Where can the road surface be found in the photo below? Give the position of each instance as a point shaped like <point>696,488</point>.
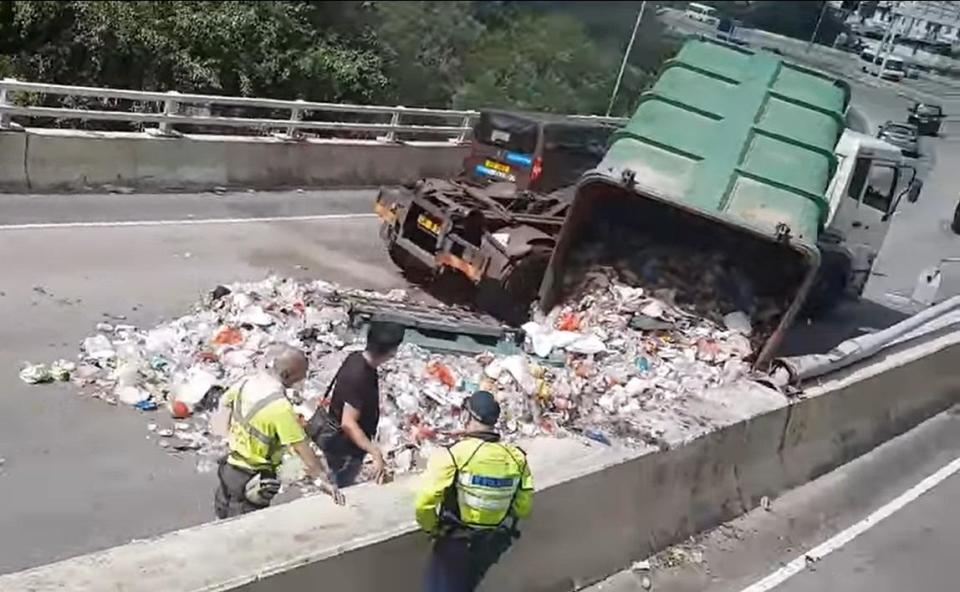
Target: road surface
<point>79,475</point>
<point>882,523</point>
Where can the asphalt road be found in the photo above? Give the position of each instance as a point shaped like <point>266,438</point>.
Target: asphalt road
<point>912,548</point>
<point>79,475</point>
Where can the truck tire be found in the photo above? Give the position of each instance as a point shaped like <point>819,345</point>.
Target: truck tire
<point>955,223</point>
<point>509,299</point>
<point>829,288</point>
<point>410,266</point>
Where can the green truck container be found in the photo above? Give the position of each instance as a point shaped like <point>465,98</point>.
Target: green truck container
<point>731,149</point>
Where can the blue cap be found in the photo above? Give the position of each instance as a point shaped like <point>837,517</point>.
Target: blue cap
<point>484,408</point>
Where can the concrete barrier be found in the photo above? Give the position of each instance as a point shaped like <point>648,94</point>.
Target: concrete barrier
<point>596,508</point>
<point>58,160</point>
<point>13,166</point>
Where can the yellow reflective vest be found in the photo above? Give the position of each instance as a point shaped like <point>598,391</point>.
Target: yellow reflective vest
<point>262,423</point>
<point>480,481</point>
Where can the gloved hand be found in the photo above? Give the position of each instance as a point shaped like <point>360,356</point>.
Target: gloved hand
<point>261,490</point>
<point>327,486</point>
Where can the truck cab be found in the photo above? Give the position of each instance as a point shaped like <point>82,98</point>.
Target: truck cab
<point>870,182</point>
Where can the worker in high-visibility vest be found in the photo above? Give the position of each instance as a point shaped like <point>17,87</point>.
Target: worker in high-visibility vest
<point>473,494</point>
<point>262,424</point>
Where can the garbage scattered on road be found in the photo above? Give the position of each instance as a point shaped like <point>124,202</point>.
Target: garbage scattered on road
<point>36,374</point>
<point>615,366</point>
<point>40,373</point>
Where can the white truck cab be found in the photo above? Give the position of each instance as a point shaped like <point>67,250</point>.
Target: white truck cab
<point>894,70</point>
<point>703,13</point>
<point>870,181</point>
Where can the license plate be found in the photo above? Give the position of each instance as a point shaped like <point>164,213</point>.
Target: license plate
<point>428,224</point>
<point>497,166</point>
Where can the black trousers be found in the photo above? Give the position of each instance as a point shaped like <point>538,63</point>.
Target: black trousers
<point>459,563</point>
<point>230,498</point>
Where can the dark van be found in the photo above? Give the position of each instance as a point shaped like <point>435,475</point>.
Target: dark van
<point>537,152</point>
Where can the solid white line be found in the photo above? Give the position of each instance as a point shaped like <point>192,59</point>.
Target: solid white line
<point>183,222</point>
<point>842,538</point>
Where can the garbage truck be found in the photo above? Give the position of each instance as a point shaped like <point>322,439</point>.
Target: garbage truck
<point>737,152</point>
<point>494,223</point>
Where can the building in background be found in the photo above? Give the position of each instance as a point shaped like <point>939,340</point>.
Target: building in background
<point>926,34</point>
<point>926,21</point>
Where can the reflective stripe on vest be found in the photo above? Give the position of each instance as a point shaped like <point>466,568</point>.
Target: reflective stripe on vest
<point>485,494</point>
<point>243,419</point>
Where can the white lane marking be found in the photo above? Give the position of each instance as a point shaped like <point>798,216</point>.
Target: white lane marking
<point>183,222</point>
<point>842,538</point>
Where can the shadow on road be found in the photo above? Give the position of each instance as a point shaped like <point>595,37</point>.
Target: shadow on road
<point>850,319</point>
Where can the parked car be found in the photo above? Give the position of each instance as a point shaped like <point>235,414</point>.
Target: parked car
<point>703,13</point>
<point>927,117</point>
<point>902,135</point>
<point>894,70</point>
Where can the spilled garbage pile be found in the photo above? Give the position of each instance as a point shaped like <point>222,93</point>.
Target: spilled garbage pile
<point>608,366</point>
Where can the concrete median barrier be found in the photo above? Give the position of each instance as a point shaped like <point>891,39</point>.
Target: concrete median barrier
<point>13,167</point>
<point>66,160</point>
<point>596,510</point>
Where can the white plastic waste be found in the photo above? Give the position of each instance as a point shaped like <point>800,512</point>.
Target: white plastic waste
<point>130,395</point>
<point>194,386</point>
<point>98,347</point>
<point>738,321</point>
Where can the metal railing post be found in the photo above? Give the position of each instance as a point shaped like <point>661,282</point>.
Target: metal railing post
<point>296,115</point>
<point>394,122</point>
<point>4,101</point>
<point>464,123</point>
<point>170,107</point>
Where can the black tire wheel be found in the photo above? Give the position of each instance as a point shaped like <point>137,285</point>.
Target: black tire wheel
<point>955,224</point>
<point>411,267</point>
<point>828,290</point>
<point>509,299</point>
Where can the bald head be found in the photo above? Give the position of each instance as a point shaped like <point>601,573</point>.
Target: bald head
<point>289,364</point>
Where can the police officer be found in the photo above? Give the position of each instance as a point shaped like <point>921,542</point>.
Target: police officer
<point>262,423</point>
<point>473,494</point>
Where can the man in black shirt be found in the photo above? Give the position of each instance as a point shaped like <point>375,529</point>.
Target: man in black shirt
<point>355,405</point>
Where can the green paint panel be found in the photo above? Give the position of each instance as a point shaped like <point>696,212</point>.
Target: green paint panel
<point>738,134</point>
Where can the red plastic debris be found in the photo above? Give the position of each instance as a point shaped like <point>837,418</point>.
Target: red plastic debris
<point>228,336</point>
<point>568,321</point>
<point>179,410</point>
<point>440,371</point>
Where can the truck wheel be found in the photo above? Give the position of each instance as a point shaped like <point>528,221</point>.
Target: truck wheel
<point>411,267</point>
<point>955,224</point>
<point>829,288</point>
<point>509,299</point>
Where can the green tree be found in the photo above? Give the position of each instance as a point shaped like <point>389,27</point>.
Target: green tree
<point>539,62</point>
<point>264,48</point>
<point>424,44</point>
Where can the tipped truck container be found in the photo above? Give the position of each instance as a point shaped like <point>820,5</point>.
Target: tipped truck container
<point>730,150</point>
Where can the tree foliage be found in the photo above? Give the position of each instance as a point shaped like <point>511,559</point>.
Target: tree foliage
<point>540,55</point>
<point>425,44</point>
<point>537,62</point>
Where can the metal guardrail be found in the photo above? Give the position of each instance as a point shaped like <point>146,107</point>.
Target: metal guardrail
<point>455,125</point>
